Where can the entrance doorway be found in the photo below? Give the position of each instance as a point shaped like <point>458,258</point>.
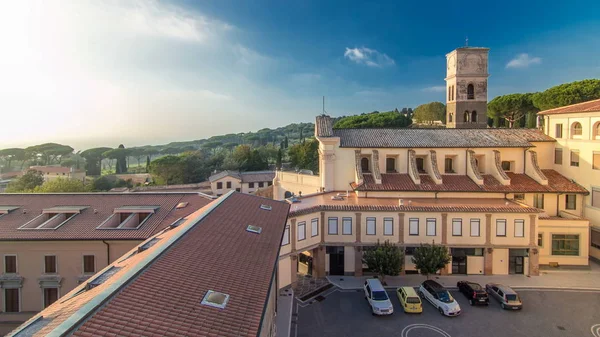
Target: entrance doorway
<point>459,261</point>
<point>305,263</point>
<point>336,260</point>
<point>516,261</point>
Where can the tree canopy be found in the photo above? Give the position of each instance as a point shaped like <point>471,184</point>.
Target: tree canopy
<point>375,119</point>
<point>49,153</point>
<point>430,112</point>
<point>93,158</point>
<point>512,108</point>
<point>305,156</point>
<point>566,94</point>
<point>61,185</point>
<point>26,183</point>
<point>429,258</point>
<point>384,259</point>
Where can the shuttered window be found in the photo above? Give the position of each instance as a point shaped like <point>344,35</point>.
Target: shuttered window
<point>10,264</point>
<point>596,161</point>
<point>575,158</point>
<point>371,226</point>
<point>413,226</point>
<point>558,154</point>
<point>519,228</point>
<point>388,226</point>
<point>89,264</point>
<point>596,197</point>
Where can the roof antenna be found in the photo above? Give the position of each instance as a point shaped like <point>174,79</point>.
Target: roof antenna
<point>467,41</point>
<point>324,112</point>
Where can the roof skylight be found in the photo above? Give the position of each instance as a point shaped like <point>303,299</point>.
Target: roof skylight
<point>181,205</point>
<point>266,207</point>
<point>54,217</point>
<point>254,229</point>
<point>215,299</point>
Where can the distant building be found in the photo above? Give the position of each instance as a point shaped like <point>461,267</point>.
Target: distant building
<point>245,182</point>
<point>54,172</point>
<point>51,243</point>
<point>211,273</point>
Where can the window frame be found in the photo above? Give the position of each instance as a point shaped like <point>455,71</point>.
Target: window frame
<point>520,222</point>
<point>498,222</point>
<point>44,305</point>
<point>574,196</point>
<point>595,160</point>
<point>298,232</point>
<point>228,184</point>
<point>540,239</point>
<point>558,154</point>
<point>428,221</point>
<point>55,265</point>
<point>553,251</point>
<point>250,185</point>
<point>314,227</point>
<point>329,223</point>
<point>5,297</point>
<point>374,220</point>
<point>471,223</point>
<point>387,220</point>
<point>449,165</point>
<point>576,129</point>
<point>346,221</point>
<point>286,236</point>
<point>16,263</point>
<point>261,184</point>
<point>536,200</point>
<point>575,155</point>
<point>410,223</point>
<point>219,185</point>
<point>387,166</point>
<point>456,221</point>
<point>558,130</point>
<point>83,264</point>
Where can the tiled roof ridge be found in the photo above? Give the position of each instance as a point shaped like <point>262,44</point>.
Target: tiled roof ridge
<point>107,193</point>
<point>569,106</point>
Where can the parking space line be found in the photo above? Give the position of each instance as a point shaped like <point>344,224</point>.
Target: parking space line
<point>411,327</point>
<point>595,330</point>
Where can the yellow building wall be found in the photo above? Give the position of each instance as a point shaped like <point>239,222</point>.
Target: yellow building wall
<point>422,237</point>
<point>500,264</point>
<point>548,227</point>
<point>510,239</point>
<point>349,253</point>
<point>235,183</point>
<point>466,239</point>
<point>475,265</point>
<point>285,271</point>
<point>340,237</point>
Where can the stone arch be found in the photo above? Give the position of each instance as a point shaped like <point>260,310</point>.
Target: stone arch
<point>470,91</point>
<point>474,116</point>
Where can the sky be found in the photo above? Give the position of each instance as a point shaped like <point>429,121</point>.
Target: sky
<point>103,73</point>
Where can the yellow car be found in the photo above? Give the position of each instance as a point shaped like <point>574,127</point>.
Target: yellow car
<point>409,300</point>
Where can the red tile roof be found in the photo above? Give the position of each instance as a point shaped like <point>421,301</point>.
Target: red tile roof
<point>589,106</point>
<point>158,292</point>
<point>520,183</point>
<point>101,206</point>
<point>51,169</point>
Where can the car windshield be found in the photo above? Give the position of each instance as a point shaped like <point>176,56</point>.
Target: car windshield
<point>510,297</point>
<point>475,286</point>
<point>413,300</point>
<point>444,296</point>
<point>380,296</point>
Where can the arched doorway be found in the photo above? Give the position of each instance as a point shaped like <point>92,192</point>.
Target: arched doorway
<point>474,116</point>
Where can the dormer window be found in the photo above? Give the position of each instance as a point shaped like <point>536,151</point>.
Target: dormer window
<point>7,209</point>
<point>128,217</point>
<point>54,217</point>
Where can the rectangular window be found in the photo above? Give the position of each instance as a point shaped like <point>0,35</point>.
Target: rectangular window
<point>10,264</point>
<point>538,201</point>
<point>571,201</point>
<point>347,226</point>
<point>559,130</point>
<point>89,264</point>
<point>596,160</point>
<point>475,227</point>
<point>229,184</point>
<point>519,196</point>
<point>431,230</point>
<point>558,154</point>
<point>301,230</point>
<point>50,264</point>
<point>575,158</point>
<point>390,165</point>
<point>314,227</point>
<point>506,166</point>
<point>269,183</point>
<point>456,227</point>
<point>11,300</point>
<point>50,296</point>
<point>371,226</point>
<point>261,184</point>
<point>388,226</point>
<point>519,228</point>
<point>219,185</point>
<point>332,226</point>
<point>413,226</point>
<point>448,166</point>
<point>565,244</point>
<point>540,239</point>
<point>286,236</point>
<point>501,227</point>
<point>250,185</point>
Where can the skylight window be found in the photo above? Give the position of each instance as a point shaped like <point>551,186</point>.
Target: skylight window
<point>54,217</point>
<point>266,207</point>
<point>102,277</point>
<point>7,209</point>
<point>181,205</point>
<point>254,229</point>
<point>128,217</point>
<point>215,299</point>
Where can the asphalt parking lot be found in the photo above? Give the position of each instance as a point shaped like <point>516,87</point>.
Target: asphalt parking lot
<point>544,313</point>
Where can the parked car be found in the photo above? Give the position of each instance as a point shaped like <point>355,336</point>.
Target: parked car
<point>378,298</point>
<point>474,292</point>
<point>507,297</point>
<point>409,300</point>
<point>439,297</point>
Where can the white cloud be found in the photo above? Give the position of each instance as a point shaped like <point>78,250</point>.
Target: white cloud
<point>369,57</point>
<point>435,88</point>
<point>523,61</point>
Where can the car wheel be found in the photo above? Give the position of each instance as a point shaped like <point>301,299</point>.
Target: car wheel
<point>470,302</point>
<point>441,311</point>
<point>502,306</point>
<point>420,293</point>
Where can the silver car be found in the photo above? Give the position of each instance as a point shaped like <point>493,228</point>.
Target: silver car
<point>378,298</point>
<point>508,298</point>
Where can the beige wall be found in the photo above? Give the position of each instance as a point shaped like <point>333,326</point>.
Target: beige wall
<point>349,253</point>
<point>500,264</point>
<point>285,271</point>
<point>295,183</point>
<point>69,256</point>
<point>510,239</point>
<point>475,265</point>
<point>548,227</point>
<point>235,183</point>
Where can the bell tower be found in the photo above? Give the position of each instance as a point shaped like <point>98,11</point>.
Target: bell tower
<point>466,87</point>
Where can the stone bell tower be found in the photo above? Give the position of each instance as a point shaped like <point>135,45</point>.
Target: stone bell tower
<point>466,87</point>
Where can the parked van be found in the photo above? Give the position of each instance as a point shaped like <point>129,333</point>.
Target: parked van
<point>409,300</point>
<point>377,297</point>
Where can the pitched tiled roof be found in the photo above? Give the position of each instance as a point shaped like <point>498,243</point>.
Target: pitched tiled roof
<point>324,126</point>
<point>519,183</point>
<point>224,174</point>
<point>159,292</point>
<point>51,169</point>
<point>257,176</point>
<point>439,138</point>
<point>589,106</point>
<point>99,207</point>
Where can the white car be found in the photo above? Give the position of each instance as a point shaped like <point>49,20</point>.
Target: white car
<point>439,297</point>
<point>378,298</point>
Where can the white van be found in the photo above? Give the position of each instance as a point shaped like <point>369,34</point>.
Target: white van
<point>377,297</point>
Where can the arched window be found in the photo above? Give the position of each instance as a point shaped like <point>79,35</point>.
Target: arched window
<point>474,117</point>
<point>576,129</point>
<point>466,117</point>
<point>453,91</point>
<point>470,91</point>
<point>450,117</point>
<point>597,130</point>
<point>449,93</point>
<point>364,164</point>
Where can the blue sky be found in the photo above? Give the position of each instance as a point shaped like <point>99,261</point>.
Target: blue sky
<point>101,73</point>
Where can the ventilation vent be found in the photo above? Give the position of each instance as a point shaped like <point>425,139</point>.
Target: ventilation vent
<point>254,229</point>
<point>266,207</point>
<point>148,244</point>
<point>181,205</point>
<point>177,223</point>
<point>215,299</point>
<point>102,278</point>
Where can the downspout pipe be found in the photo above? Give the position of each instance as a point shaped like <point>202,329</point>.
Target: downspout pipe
<point>107,252</point>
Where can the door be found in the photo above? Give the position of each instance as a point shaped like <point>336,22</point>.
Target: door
<point>459,265</point>
<point>336,260</point>
<point>516,265</point>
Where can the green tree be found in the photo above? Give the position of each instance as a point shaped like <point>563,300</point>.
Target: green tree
<point>430,112</point>
<point>26,183</point>
<point>61,185</point>
<point>8,155</point>
<point>148,163</point>
<point>278,163</point>
<point>429,258</point>
<point>384,259</point>
<point>93,159</point>
<point>167,170</point>
<point>212,146</point>
<point>512,108</point>
<point>119,154</point>
<point>50,153</point>
<point>305,156</point>
<point>568,93</point>
<point>103,184</point>
<point>374,119</point>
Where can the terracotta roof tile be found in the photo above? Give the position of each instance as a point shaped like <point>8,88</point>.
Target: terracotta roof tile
<point>589,106</point>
